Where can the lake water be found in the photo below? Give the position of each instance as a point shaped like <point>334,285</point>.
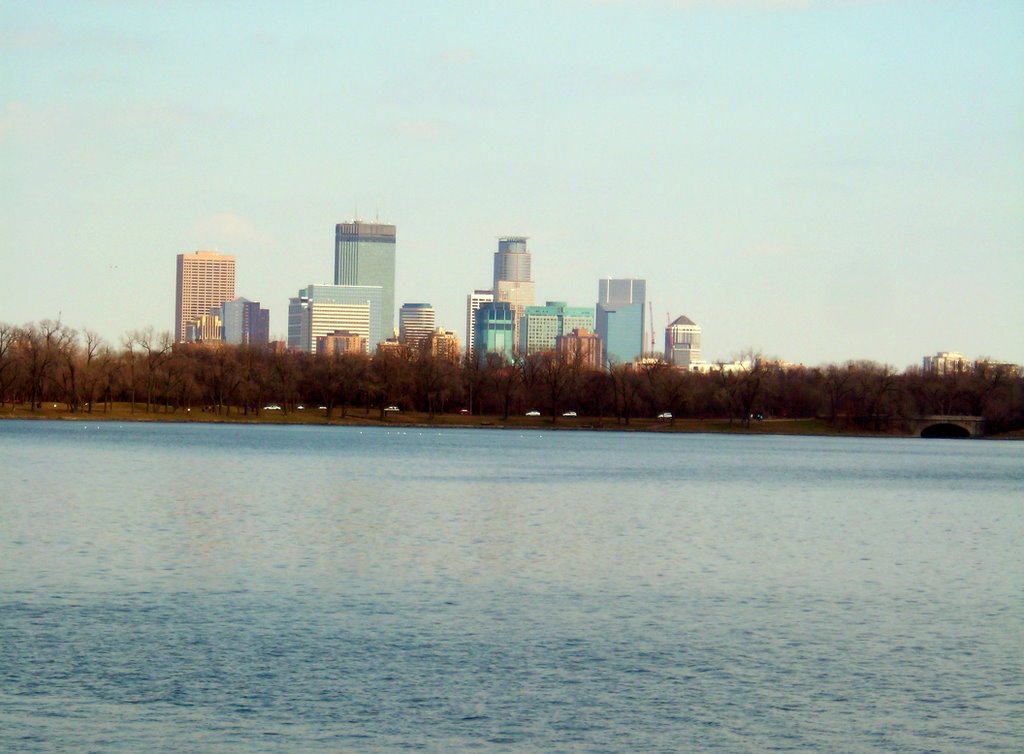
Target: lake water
<point>258,588</point>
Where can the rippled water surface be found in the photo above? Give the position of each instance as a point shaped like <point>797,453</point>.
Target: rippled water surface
<point>256,588</point>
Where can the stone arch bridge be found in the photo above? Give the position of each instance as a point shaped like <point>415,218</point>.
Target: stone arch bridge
<point>947,426</point>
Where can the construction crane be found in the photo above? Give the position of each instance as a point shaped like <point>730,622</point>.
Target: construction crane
<point>650,311</point>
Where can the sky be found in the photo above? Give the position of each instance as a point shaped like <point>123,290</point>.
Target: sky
<point>814,180</point>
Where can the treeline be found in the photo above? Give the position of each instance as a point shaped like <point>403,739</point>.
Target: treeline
<point>50,362</point>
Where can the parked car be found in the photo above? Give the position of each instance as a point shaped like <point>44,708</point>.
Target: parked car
<point>665,415</point>
<point>569,414</point>
<point>272,407</point>
<point>392,408</point>
<point>533,413</point>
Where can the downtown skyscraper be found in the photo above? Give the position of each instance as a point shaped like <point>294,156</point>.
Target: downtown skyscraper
<point>512,282</point>
<point>204,281</point>
<point>364,255</point>
<point>620,319</point>
<point>415,324</point>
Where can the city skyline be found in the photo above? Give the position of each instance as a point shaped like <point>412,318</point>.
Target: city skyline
<point>819,181</point>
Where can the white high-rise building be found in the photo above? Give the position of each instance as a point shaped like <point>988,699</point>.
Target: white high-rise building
<point>682,343</point>
<point>323,309</point>
<point>415,324</point>
<point>473,302</point>
<point>946,362</point>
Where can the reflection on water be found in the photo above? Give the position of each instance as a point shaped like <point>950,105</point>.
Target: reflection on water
<point>219,588</point>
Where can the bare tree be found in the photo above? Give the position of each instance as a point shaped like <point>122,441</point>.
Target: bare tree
<point>501,378</point>
<point>554,377</point>
<point>876,394</point>
<point>436,380</point>
<point>9,365</point>
<point>390,377</point>
<point>668,389</point>
<point>742,385</point>
<point>68,370</point>
<point>284,379</point>
<point>155,350</point>
<point>41,344</point>
<point>837,387</point>
<point>627,388</point>
<point>217,374</point>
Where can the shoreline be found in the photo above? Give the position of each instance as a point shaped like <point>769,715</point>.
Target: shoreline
<point>808,427</point>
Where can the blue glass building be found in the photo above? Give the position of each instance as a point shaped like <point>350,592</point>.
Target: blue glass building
<point>620,319</point>
<point>495,329</point>
<point>245,322</point>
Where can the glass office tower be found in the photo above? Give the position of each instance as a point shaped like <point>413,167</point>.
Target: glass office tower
<point>540,326</point>
<point>245,322</point>
<point>620,319</point>
<point>495,329</point>
<point>364,254</point>
<point>512,281</point>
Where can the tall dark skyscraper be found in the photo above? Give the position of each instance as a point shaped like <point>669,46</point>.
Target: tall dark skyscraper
<point>364,254</point>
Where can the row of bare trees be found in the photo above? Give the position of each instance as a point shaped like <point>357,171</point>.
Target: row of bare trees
<point>50,362</point>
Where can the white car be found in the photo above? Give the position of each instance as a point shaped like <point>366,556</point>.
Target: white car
<point>392,408</point>
<point>570,414</point>
<point>272,407</point>
<point>665,415</point>
<point>533,413</point>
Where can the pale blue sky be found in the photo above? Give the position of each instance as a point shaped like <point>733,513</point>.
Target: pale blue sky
<point>818,180</point>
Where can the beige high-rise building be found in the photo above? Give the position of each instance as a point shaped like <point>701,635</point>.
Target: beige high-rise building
<point>339,342</point>
<point>581,346</point>
<point>206,328</point>
<point>444,344</point>
<point>205,280</point>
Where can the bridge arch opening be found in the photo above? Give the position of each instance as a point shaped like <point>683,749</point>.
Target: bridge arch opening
<point>945,430</point>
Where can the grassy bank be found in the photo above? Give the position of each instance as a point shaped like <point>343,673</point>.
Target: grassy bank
<point>123,412</point>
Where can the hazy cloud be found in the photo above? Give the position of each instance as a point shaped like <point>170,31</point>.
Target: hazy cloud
<point>425,129</point>
<point>20,121</point>
<point>228,229</point>
<point>31,39</point>
<point>458,56</point>
<point>23,122</point>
